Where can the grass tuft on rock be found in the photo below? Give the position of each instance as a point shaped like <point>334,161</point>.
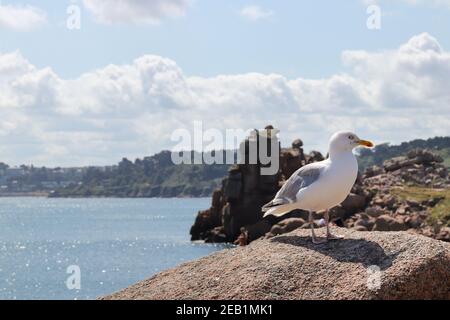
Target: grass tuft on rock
<point>440,213</point>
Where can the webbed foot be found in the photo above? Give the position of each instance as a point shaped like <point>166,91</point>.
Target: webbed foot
<point>331,236</point>
<point>318,241</point>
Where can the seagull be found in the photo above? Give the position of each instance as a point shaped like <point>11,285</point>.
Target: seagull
<point>320,185</point>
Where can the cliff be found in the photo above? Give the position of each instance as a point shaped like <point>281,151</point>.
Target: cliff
<point>364,265</point>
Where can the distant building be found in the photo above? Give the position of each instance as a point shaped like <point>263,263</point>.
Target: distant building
<point>14,172</point>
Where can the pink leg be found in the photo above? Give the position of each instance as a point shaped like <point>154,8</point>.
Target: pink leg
<point>313,235</point>
<point>330,236</point>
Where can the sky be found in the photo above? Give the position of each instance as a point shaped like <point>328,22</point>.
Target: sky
<point>88,82</point>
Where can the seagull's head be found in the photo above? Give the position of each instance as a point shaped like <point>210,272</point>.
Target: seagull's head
<point>343,141</point>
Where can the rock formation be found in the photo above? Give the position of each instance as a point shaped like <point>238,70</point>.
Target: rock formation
<point>236,208</point>
<point>364,265</point>
<point>380,199</point>
<point>389,202</point>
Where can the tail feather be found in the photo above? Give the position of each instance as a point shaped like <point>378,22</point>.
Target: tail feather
<point>274,203</point>
<point>278,210</point>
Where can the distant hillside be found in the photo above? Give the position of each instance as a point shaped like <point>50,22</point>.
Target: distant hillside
<point>28,180</point>
<point>382,152</point>
<point>157,176</point>
<point>154,176</point>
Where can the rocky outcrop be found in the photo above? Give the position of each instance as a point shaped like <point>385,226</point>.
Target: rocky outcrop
<point>235,214</point>
<point>285,226</point>
<point>419,167</point>
<point>374,204</point>
<point>364,265</point>
<point>389,207</point>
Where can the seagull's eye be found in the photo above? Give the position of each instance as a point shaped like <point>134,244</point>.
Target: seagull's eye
<point>351,137</point>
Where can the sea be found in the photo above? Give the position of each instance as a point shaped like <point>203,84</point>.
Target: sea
<point>87,248</point>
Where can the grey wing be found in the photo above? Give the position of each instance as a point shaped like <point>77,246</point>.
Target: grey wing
<point>300,179</point>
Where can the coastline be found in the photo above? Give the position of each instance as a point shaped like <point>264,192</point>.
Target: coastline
<point>48,195</point>
<point>25,195</point>
<point>119,197</point>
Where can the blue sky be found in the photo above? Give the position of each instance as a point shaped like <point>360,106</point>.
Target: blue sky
<point>302,38</point>
<point>129,77</point>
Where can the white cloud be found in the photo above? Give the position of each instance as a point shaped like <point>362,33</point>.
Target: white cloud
<point>131,110</point>
<point>21,18</point>
<point>135,11</point>
<point>255,13</point>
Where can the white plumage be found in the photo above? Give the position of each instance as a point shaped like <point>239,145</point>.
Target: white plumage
<point>321,185</point>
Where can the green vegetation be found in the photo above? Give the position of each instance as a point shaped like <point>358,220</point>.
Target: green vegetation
<point>382,152</point>
<point>439,214</point>
<point>445,154</point>
<point>155,176</point>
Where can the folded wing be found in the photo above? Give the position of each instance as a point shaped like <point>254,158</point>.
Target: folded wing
<point>300,179</point>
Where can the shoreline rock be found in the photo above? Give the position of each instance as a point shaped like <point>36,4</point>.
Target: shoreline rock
<point>289,266</point>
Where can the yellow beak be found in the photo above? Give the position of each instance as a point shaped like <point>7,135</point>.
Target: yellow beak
<point>365,143</point>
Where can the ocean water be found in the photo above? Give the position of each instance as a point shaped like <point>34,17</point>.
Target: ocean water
<point>97,245</point>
